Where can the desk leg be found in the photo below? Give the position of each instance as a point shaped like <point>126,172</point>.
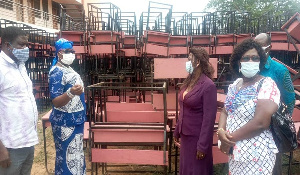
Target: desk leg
<point>45,149</point>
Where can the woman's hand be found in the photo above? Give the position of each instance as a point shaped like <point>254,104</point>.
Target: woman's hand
<point>226,143</point>
<point>200,155</point>
<point>76,89</point>
<point>225,138</point>
<point>225,148</point>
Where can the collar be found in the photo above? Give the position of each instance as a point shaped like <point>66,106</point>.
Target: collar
<point>268,63</point>
<point>7,58</point>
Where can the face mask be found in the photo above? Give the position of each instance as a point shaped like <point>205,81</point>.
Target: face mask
<point>68,58</point>
<point>249,69</point>
<point>21,54</point>
<point>189,67</point>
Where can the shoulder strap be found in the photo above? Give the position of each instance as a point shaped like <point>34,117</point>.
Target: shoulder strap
<point>260,84</point>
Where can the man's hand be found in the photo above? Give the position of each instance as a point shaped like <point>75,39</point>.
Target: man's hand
<point>4,158</point>
<point>76,89</point>
<point>200,155</point>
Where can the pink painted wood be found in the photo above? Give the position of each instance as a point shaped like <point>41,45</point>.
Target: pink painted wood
<point>221,99</point>
<point>218,156</point>
<point>223,50</point>
<point>75,36</point>
<point>158,103</point>
<point>135,116</point>
<point>103,48</point>
<point>128,156</point>
<point>293,26</point>
<point>79,49</point>
<point>127,135</point>
<point>112,99</point>
<point>292,48</point>
<point>129,107</point>
<point>156,37</point>
<point>86,131</point>
<point>280,46</point>
<point>296,115</point>
<point>215,137</point>
<point>129,40</point>
<point>278,36</point>
<point>178,40</point>
<point>218,116</point>
<point>225,39</point>
<point>105,36</point>
<point>297,127</point>
<point>130,52</point>
<point>242,37</point>
<point>178,50</point>
<point>170,68</point>
<point>155,49</point>
<point>214,63</point>
<point>202,40</point>
<point>164,67</point>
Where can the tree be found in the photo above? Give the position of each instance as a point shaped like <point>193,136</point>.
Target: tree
<point>257,8</point>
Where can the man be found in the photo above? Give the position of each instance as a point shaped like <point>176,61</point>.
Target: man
<point>281,75</point>
<point>18,110</point>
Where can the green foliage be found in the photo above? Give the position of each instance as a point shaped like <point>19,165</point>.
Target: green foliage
<point>257,8</point>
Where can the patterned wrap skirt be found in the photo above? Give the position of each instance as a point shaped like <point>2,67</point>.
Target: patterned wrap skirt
<point>69,150</point>
<point>258,167</point>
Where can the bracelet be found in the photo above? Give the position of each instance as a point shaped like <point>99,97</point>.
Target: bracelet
<point>69,94</point>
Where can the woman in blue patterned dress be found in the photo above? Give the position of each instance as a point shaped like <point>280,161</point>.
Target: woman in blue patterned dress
<point>68,112</point>
<point>244,122</point>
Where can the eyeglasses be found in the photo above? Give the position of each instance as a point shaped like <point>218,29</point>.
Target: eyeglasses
<point>254,58</point>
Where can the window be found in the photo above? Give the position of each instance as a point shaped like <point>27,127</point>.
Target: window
<point>37,12</point>
<point>45,9</point>
<point>7,4</point>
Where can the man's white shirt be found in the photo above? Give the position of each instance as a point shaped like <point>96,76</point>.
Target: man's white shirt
<point>18,110</point>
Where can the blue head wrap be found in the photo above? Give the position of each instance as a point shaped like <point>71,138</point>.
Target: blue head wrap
<point>61,44</point>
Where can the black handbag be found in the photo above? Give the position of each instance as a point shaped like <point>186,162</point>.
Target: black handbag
<point>282,128</point>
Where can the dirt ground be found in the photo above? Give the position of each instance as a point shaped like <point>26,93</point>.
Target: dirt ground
<point>40,169</point>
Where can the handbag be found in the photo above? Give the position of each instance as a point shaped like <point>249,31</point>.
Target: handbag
<point>282,128</point>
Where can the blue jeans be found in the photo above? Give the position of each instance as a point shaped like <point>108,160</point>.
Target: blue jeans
<point>21,161</point>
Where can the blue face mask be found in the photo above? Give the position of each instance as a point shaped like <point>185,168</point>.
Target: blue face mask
<point>189,67</point>
<point>21,54</point>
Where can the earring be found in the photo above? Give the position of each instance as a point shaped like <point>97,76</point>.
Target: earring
<point>239,70</point>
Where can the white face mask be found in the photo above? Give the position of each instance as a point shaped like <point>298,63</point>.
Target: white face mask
<point>21,54</point>
<point>249,69</point>
<point>189,67</point>
<point>68,58</point>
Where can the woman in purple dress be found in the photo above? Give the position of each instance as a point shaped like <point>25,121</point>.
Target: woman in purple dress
<point>198,107</point>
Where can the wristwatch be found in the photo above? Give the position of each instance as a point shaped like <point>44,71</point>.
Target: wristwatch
<point>69,94</point>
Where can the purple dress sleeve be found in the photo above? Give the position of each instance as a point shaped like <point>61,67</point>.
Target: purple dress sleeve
<point>209,115</point>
